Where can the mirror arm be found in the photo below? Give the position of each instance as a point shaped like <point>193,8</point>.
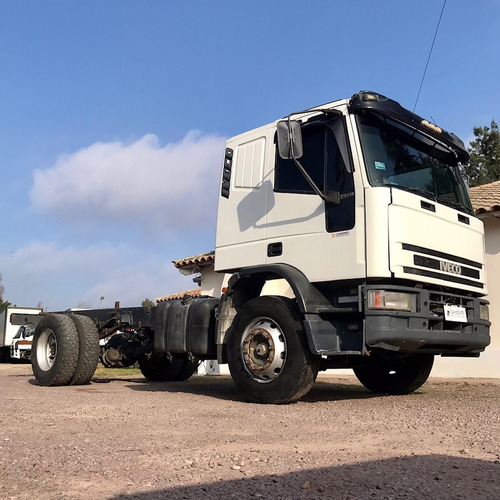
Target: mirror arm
<point>332,198</point>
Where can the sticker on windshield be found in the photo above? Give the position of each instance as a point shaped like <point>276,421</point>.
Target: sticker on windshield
<point>379,165</point>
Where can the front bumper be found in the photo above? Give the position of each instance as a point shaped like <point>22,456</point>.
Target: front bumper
<point>425,329</point>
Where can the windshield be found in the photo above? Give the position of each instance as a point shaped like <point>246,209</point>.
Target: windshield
<point>399,156</point>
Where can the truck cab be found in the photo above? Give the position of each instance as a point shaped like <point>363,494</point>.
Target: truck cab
<point>361,206</point>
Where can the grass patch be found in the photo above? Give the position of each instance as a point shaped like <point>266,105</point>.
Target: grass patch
<point>116,372</point>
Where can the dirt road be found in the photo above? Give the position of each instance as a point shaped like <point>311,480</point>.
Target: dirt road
<point>126,438</point>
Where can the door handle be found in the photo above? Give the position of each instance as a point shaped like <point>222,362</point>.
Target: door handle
<point>274,249</point>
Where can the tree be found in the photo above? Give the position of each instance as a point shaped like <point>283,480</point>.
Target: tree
<point>3,304</point>
<point>147,303</point>
<point>484,164</point>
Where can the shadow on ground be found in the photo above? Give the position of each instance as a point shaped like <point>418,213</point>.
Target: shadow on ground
<point>413,477</point>
<point>222,387</point>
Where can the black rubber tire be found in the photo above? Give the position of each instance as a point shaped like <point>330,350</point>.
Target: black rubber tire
<point>382,377</point>
<point>160,368</point>
<point>4,354</point>
<point>189,367</point>
<point>55,350</point>
<point>89,349</point>
<point>300,367</point>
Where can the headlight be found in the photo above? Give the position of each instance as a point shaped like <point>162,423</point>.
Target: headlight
<point>395,301</point>
<point>484,312</point>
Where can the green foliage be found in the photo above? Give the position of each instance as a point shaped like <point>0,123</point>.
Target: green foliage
<point>147,303</point>
<point>3,304</point>
<point>484,164</point>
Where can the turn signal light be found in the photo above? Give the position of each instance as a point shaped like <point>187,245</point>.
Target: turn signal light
<point>484,312</point>
<point>394,301</point>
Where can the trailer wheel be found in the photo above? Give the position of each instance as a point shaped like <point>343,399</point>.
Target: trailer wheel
<point>54,354</point>
<point>89,349</point>
<point>268,356</point>
<point>407,376</point>
<point>160,368</point>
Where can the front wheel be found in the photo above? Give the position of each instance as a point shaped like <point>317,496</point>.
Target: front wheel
<point>267,353</point>
<point>384,377</point>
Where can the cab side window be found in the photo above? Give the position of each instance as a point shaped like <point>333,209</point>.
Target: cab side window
<point>323,161</point>
<point>288,177</point>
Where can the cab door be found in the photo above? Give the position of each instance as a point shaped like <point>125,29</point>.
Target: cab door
<point>304,231</point>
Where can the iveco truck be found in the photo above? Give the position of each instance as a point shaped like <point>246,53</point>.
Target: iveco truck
<point>361,207</point>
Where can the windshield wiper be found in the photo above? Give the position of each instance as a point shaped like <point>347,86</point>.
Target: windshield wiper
<point>419,191</point>
<point>456,205</point>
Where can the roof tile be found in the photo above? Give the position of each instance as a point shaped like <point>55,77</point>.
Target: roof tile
<point>197,260</point>
<point>196,292</point>
<point>485,198</point>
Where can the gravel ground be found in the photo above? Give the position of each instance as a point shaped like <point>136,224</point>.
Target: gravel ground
<point>125,438</point>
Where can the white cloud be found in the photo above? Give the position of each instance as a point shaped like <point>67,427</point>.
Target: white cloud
<point>130,285</point>
<point>123,200</point>
<point>136,181</point>
<point>61,278</point>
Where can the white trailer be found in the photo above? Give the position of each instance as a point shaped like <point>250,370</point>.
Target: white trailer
<point>8,330</point>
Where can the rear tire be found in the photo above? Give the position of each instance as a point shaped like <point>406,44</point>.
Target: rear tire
<point>160,368</point>
<point>189,367</point>
<point>4,354</point>
<point>89,349</point>
<point>267,352</point>
<point>55,350</point>
<point>407,376</point>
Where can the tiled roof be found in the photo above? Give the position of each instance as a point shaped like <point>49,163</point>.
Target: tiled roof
<point>196,292</point>
<point>201,260</point>
<point>486,198</point>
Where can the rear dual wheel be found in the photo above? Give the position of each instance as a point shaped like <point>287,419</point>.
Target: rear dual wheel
<point>178,367</point>
<point>65,350</point>
<point>89,349</point>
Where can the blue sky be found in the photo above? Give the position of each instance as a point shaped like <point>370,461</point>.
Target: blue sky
<point>114,114</point>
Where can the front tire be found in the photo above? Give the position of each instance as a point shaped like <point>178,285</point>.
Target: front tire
<point>55,350</point>
<point>267,353</point>
<point>383,377</point>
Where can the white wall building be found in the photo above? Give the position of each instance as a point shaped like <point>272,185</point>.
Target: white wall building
<point>486,202</point>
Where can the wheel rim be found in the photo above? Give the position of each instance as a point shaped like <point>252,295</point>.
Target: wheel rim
<point>263,349</point>
<point>46,350</point>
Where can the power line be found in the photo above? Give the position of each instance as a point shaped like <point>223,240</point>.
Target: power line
<point>429,57</point>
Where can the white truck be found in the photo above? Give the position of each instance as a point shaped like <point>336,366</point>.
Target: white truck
<point>22,342</point>
<point>8,330</point>
<point>360,206</point>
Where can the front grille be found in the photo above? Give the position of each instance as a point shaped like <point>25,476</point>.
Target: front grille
<point>443,266</point>
<point>442,255</point>
<point>435,306</point>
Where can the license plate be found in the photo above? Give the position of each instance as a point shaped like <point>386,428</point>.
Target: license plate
<point>455,313</point>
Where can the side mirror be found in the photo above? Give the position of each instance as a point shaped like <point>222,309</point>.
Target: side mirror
<point>289,139</point>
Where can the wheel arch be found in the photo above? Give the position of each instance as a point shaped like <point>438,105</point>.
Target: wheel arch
<point>247,284</point>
